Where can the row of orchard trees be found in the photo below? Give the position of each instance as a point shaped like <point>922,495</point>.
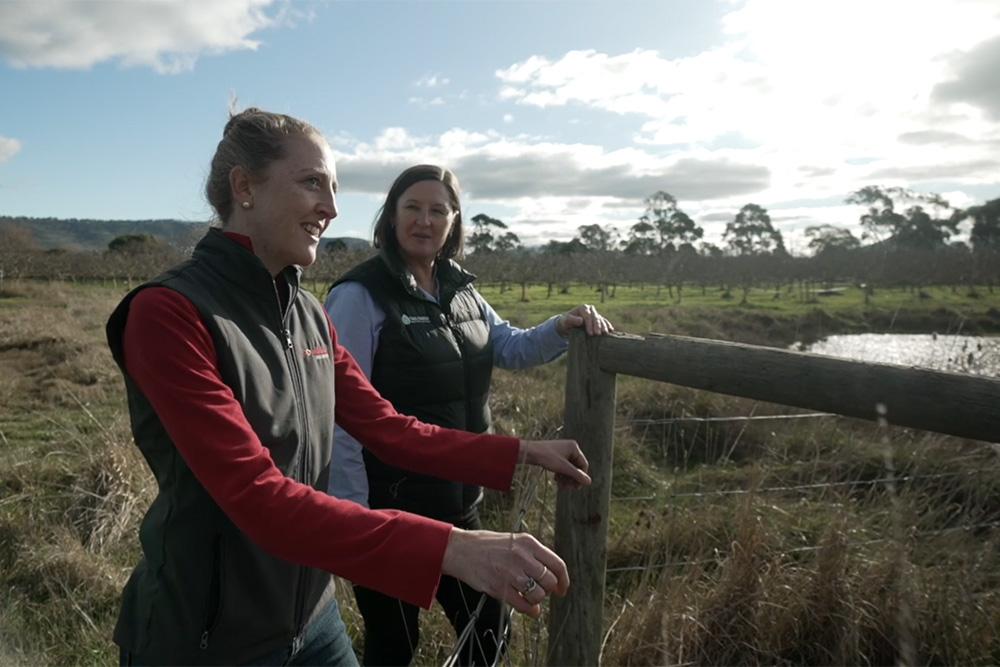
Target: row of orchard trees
<point>907,237</point>
<point>735,276</point>
<point>906,240</point>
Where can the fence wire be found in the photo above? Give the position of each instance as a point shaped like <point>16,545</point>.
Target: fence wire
<point>528,498</point>
<point>706,561</point>
<point>467,638</point>
<point>703,420</point>
<point>896,479</point>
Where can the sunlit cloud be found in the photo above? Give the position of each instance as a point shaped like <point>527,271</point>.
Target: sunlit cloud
<point>8,148</point>
<point>547,181</point>
<point>432,81</point>
<point>166,35</point>
<point>825,94</point>
<point>426,102</point>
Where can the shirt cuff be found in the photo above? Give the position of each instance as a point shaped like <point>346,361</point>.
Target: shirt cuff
<point>549,335</point>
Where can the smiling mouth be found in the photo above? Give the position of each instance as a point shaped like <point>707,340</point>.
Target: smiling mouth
<point>313,229</point>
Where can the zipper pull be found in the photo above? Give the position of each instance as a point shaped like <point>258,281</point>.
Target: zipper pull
<point>288,338</point>
<point>204,640</point>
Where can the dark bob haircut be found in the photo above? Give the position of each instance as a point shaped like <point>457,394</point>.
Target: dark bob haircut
<point>385,222</point>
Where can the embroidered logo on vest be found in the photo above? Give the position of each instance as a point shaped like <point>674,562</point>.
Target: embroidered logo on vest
<point>317,352</point>
<point>407,320</point>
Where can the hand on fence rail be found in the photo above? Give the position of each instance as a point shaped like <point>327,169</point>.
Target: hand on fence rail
<point>586,317</point>
<point>563,457</point>
<point>504,565</point>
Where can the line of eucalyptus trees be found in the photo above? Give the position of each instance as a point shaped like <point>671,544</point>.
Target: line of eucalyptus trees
<point>906,241</point>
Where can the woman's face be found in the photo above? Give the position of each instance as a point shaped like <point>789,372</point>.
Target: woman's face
<point>423,220</point>
<point>293,203</point>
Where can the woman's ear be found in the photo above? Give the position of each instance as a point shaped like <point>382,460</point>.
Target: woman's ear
<point>241,186</point>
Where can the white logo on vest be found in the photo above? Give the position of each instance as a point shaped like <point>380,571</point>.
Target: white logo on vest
<point>407,320</point>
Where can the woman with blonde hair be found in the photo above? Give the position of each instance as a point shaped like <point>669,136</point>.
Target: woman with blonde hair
<point>234,376</point>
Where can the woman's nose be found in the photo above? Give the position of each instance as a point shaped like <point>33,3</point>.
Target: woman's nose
<point>328,207</point>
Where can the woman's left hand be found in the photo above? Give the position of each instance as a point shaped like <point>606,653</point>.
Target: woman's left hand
<point>585,316</point>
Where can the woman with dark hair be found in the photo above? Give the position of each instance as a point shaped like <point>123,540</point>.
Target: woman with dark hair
<point>231,373</point>
<point>428,340</point>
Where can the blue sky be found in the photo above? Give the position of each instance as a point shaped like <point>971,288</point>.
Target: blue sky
<point>554,114</point>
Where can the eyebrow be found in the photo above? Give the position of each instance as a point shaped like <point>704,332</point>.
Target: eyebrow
<point>412,200</point>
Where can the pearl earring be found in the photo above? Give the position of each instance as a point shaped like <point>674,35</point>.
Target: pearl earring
<point>246,204</point>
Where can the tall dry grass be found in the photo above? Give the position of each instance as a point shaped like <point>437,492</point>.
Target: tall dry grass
<point>73,487</point>
<point>799,542</point>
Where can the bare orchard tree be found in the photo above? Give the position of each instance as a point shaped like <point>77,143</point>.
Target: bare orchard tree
<point>18,252</point>
<point>139,256</point>
<point>332,261</point>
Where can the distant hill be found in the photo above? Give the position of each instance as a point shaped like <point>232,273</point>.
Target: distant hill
<point>73,234</point>
<point>351,242</point>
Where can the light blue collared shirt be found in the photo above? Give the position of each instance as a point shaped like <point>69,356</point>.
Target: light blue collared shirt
<point>358,320</point>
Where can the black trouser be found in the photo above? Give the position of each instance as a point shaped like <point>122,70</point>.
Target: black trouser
<point>392,627</point>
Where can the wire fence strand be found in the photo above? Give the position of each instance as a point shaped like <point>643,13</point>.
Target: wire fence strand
<point>528,498</point>
<point>685,563</point>
<point>804,487</point>
<point>705,420</point>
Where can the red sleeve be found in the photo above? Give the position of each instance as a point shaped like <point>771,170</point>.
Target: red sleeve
<point>171,357</point>
<point>408,443</point>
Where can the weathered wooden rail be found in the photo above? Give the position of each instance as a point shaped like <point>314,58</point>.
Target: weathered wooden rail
<point>950,403</point>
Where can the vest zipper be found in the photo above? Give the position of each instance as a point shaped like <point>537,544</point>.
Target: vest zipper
<point>299,392</point>
<point>456,331</point>
<point>213,611</point>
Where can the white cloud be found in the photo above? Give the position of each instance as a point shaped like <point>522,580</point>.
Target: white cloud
<point>432,81</point>
<point>551,187</point>
<point>812,90</point>
<point>494,166</point>
<point>395,139</point>
<point>426,102</point>
<point>508,118</point>
<point>166,35</point>
<point>8,148</point>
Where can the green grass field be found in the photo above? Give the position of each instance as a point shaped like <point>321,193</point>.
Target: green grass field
<point>812,541</point>
<point>765,319</point>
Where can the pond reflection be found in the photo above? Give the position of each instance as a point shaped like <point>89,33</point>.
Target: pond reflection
<point>977,355</point>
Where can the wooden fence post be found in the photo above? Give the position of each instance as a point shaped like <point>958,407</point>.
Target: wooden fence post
<point>581,532</point>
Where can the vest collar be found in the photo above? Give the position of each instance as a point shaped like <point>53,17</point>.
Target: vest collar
<point>237,264</point>
<point>450,276</point>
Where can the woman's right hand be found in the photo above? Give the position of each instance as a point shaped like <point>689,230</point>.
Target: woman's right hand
<point>563,457</point>
<point>504,565</point>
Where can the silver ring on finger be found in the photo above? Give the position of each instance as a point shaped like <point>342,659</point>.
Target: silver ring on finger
<point>545,570</point>
<point>530,586</point>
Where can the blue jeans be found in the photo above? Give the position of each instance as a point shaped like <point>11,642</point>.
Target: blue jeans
<point>324,642</point>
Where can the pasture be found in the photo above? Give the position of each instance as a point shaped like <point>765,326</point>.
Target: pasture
<point>763,541</point>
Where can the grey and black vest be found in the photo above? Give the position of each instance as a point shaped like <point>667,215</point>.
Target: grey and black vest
<point>203,593</point>
<point>434,361</point>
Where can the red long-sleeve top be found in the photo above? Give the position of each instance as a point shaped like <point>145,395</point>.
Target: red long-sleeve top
<point>170,356</point>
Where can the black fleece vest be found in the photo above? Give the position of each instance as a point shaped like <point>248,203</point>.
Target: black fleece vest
<point>434,362</point>
<point>203,593</point>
